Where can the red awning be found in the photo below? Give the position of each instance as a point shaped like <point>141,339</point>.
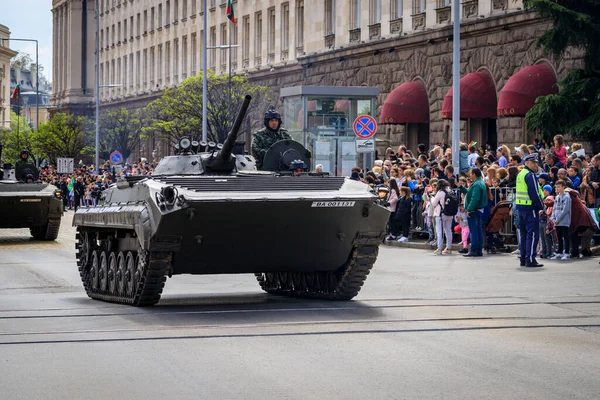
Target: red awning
<point>408,103</point>
<point>523,88</point>
<point>477,97</point>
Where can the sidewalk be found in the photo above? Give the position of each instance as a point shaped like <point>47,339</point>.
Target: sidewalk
<point>421,244</point>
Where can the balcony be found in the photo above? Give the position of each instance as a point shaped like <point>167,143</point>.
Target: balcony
<point>418,21</point>
<point>470,9</point>
<point>330,40</point>
<point>396,26</point>
<point>375,31</point>
<point>499,5</point>
<point>354,35</point>
<point>442,15</point>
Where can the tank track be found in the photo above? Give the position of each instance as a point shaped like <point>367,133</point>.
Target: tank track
<point>341,284</point>
<point>134,278</point>
<point>48,231</point>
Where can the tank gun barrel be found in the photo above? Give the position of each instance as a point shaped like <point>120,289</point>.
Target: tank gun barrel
<point>227,149</point>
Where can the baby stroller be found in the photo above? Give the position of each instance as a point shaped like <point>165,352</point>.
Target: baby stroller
<point>498,217</point>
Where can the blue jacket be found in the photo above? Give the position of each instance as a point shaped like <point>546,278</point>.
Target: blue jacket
<point>534,194</point>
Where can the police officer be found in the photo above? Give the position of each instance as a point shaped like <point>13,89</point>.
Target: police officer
<point>529,203</point>
<point>263,139</point>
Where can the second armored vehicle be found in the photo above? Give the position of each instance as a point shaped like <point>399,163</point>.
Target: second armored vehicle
<point>212,212</point>
<point>27,203</point>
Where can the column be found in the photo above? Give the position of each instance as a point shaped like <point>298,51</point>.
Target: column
<point>74,51</point>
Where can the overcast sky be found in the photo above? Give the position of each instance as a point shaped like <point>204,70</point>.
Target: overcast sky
<point>30,19</point>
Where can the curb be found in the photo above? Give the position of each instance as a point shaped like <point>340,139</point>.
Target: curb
<point>424,246</point>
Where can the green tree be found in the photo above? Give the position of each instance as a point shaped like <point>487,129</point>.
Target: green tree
<point>576,108</point>
<point>178,112</point>
<point>20,136</point>
<point>120,130</point>
<point>66,135</point>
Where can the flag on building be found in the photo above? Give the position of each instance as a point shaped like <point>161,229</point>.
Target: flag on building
<point>230,12</point>
<point>15,93</point>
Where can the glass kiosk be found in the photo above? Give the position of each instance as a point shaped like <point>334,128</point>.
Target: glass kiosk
<point>321,117</point>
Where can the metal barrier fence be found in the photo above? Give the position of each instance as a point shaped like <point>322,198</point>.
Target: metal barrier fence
<point>420,226</point>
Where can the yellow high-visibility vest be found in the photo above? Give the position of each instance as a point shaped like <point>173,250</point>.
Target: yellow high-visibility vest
<point>522,193</point>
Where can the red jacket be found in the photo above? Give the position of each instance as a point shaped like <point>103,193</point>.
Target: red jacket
<point>580,216</point>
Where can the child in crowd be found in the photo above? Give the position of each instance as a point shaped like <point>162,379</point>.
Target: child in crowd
<point>573,173</point>
<point>561,217</point>
<point>428,210</point>
<point>461,218</point>
<point>403,207</point>
<point>546,239</point>
<point>560,150</point>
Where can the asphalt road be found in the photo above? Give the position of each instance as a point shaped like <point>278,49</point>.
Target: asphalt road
<point>423,327</point>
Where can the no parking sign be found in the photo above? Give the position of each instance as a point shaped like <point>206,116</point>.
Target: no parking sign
<point>116,157</point>
<point>364,126</point>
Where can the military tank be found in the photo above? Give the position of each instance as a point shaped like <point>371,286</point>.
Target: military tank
<point>209,211</point>
<point>25,202</point>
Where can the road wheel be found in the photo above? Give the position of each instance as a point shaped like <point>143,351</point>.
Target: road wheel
<point>95,271</point>
<point>121,282</point>
<point>130,286</point>
<point>112,273</point>
<point>103,273</point>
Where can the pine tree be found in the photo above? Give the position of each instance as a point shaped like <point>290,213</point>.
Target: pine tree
<point>576,108</point>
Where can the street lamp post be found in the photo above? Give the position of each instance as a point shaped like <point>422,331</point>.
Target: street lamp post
<point>37,89</point>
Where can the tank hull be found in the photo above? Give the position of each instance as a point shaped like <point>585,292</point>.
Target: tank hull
<point>266,236</point>
<point>28,205</point>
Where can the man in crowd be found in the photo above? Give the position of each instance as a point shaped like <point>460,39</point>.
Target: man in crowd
<point>475,202</point>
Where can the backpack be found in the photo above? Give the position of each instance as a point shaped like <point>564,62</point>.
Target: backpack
<point>450,207</point>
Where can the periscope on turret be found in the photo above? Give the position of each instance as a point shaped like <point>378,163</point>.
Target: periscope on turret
<point>178,221</point>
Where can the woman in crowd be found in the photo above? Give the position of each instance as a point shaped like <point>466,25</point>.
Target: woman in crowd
<point>443,223</point>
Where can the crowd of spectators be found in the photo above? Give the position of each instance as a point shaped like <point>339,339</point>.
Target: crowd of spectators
<point>83,186</point>
<point>418,183</point>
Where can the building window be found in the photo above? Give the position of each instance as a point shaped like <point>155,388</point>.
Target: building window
<point>396,9</point>
<point>329,17</point>
<point>184,57</point>
<point>234,41</point>
<point>223,53</point>
<point>138,24</point>
<point>285,30</point>
<point>245,40</point>
<point>176,61</point>
<point>131,30</point>
<point>354,14</point>
<point>258,37</point>
<point>184,9</point>
<point>130,79</point>
<point>119,32</point>
<point>194,53</point>
<point>137,69</point>
<point>145,21</point>
<point>200,55</point>
<point>168,19</point>
<point>102,78</point>
<point>159,65</point>
<point>300,24</point>
<point>124,83</point>
<point>152,60</point>
<point>374,12</point>
<point>175,10</point>
<point>160,20</point>
<point>145,70</point>
<point>125,29</point>
<point>101,38</point>
<point>213,52</point>
<point>152,16</point>
<point>113,35</point>
<point>271,33</point>
<point>168,61</point>
<point>194,6</point>
<point>418,6</point>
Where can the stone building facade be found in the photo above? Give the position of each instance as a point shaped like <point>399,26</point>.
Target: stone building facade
<point>148,45</point>
<point>5,55</point>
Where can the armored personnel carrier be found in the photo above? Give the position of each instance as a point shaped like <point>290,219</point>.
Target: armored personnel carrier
<point>27,203</point>
<point>211,212</point>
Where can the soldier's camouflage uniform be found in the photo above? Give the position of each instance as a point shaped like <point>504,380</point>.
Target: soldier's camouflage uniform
<point>263,139</point>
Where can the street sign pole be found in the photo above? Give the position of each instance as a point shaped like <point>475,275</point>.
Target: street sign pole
<point>456,89</point>
<point>365,127</point>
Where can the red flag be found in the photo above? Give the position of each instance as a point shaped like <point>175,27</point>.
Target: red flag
<point>15,93</point>
<point>230,12</point>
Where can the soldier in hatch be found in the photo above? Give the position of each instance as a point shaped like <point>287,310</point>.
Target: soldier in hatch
<point>263,139</point>
<point>23,158</point>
